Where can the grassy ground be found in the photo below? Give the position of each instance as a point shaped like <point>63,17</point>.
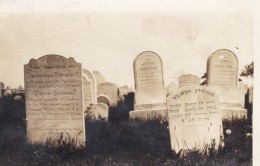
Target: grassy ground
<point>117,142</point>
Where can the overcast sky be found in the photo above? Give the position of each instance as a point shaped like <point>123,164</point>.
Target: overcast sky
<point>110,41</point>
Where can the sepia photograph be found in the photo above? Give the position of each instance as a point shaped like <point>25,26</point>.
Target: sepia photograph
<point>125,84</point>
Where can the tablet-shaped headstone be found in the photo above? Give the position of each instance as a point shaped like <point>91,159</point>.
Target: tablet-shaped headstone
<point>54,104</point>
<point>188,80</point>
<point>222,69</point>
<point>149,84</point>
<point>194,119</point>
<point>89,88</point>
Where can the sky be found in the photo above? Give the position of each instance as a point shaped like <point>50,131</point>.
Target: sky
<point>110,41</point>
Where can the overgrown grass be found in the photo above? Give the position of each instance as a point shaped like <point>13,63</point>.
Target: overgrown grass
<point>116,142</point>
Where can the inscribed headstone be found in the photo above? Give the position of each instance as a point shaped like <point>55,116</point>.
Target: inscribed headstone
<point>89,88</point>
<point>222,74</point>
<point>188,80</point>
<point>110,90</point>
<point>195,120</point>
<point>222,69</point>
<point>149,85</point>
<point>54,104</point>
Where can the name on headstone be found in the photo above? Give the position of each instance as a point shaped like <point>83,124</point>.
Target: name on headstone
<point>54,105</point>
<point>195,120</point>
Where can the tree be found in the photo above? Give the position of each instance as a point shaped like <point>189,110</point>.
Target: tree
<point>248,71</point>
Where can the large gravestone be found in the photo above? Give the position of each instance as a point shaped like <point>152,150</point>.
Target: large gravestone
<point>89,88</point>
<point>150,93</point>
<point>54,104</point>
<point>98,77</point>
<point>222,74</point>
<point>188,80</point>
<point>110,90</point>
<point>195,120</point>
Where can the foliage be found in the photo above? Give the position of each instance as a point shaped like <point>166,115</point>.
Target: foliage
<point>248,71</point>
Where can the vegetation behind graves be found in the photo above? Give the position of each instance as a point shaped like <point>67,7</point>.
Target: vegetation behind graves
<point>114,142</point>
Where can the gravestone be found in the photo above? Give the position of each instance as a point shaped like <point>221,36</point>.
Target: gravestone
<point>110,90</point>
<point>89,88</point>
<point>188,80</point>
<point>100,111</point>
<point>195,120</point>
<point>222,77</point>
<point>103,99</point>
<point>54,104</point>
<point>150,93</point>
<point>98,77</point>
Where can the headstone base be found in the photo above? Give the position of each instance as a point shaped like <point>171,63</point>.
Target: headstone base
<point>160,114</point>
<point>233,113</point>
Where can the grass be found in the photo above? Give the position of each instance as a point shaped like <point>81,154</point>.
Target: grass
<point>119,141</point>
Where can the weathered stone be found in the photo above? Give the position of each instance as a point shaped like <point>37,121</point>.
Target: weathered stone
<point>54,104</point>
<point>222,78</point>
<point>195,121</point>
<point>188,80</point>
<point>89,89</point>
<point>150,93</point>
<point>110,90</point>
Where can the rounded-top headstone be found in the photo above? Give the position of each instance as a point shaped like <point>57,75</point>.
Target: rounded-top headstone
<point>149,84</point>
<point>222,69</point>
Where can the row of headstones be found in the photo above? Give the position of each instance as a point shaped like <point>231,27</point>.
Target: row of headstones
<point>55,102</point>
<point>222,71</point>
<point>194,113</point>
<point>58,94</point>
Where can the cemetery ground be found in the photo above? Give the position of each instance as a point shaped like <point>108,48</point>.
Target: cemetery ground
<point>119,141</point>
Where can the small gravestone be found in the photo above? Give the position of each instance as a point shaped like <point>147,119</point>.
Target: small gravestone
<point>110,90</point>
<point>195,120</point>
<point>103,99</point>
<point>54,104</point>
<point>89,88</point>
<point>150,93</point>
<point>98,77</point>
<point>222,77</point>
<point>99,111</point>
<point>188,80</point>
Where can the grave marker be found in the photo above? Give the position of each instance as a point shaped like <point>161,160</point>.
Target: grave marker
<point>188,80</point>
<point>195,120</point>
<point>54,104</point>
